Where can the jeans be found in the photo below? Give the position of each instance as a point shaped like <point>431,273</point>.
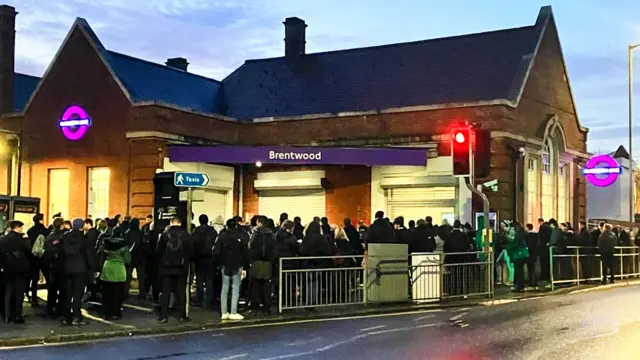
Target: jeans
<point>518,266</point>
<point>235,280</point>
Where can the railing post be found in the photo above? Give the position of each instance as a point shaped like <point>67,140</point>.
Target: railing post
<point>365,278</point>
<point>551,268</point>
<point>621,264</point>
<point>441,262</point>
<point>578,265</point>
<point>280,287</point>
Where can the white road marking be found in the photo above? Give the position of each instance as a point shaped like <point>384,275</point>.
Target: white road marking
<point>461,310</point>
<point>101,320</point>
<point>459,316</point>
<point>372,328</point>
<point>234,357</point>
<point>499,302</point>
<point>424,317</point>
<point>303,342</point>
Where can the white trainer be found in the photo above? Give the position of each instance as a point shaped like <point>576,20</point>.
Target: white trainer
<point>225,316</point>
<point>236,317</point>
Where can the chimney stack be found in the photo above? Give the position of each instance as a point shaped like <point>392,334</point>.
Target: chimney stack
<point>294,38</point>
<point>7,57</point>
<point>179,63</point>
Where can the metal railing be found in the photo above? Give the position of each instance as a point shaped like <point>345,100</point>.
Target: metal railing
<point>314,282</point>
<point>581,264</point>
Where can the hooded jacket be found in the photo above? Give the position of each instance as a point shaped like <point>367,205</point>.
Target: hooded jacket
<point>116,256</point>
<point>230,251</point>
<point>315,244</point>
<point>201,235</point>
<point>607,242</point>
<point>134,240</point>
<point>77,255</point>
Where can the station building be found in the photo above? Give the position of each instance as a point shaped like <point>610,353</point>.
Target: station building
<point>339,133</point>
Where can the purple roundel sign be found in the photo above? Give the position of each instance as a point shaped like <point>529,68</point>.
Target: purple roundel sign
<point>602,170</point>
<point>74,123</point>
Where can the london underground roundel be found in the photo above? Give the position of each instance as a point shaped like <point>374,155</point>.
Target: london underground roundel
<point>74,123</point>
<point>602,170</point>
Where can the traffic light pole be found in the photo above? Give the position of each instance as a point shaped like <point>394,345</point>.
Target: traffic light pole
<point>485,210</point>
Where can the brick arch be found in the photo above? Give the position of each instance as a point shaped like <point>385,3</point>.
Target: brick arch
<point>554,131</point>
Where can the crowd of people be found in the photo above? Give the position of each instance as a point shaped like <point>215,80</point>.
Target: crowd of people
<point>84,259</point>
<point>518,246</point>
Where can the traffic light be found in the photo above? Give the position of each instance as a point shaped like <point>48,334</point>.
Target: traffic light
<point>461,152</point>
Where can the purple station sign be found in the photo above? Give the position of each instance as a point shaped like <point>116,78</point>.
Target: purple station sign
<point>298,155</point>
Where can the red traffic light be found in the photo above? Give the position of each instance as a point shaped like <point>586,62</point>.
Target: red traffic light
<point>459,137</point>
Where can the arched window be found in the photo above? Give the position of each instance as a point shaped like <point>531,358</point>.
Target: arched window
<point>548,167</point>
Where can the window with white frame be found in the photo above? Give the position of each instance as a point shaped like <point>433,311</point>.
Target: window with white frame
<point>532,190</point>
<point>547,182</point>
<point>563,193</point>
<point>98,199</point>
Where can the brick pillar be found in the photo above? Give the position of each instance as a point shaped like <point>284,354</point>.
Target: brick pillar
<point>7,56</point>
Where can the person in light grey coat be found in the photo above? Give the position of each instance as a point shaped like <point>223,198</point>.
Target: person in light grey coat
<point>606,245</point>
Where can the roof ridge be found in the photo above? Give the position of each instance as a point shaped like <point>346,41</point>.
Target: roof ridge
<point>165,67</point>
<point>452,37</point>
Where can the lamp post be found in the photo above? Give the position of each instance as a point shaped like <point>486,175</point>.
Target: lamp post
<point>631,182</point>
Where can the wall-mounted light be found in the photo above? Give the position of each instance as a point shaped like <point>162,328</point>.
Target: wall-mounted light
<point>259,164</point>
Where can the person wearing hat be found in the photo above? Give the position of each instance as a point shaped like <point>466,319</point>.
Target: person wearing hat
<point>79,260</point>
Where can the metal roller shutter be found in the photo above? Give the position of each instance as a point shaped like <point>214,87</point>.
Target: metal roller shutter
<point>303,203</point>
<point>214,205</point>
<point>419,202</point>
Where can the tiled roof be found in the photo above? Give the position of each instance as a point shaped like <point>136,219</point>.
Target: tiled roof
<point>469,68</point>
<point>147,81</point>
<point>23,87</point>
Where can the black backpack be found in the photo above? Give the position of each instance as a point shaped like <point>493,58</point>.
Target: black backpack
<point>174,251</point>
<point>208,243</point>
<point>16,261</point>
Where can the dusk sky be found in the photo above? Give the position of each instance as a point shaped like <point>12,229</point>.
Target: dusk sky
<point>216,36</point>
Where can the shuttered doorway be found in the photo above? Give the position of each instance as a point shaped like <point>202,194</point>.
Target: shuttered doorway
<point>415,203</point>
<point>214,205</point>
<point>303,203</point>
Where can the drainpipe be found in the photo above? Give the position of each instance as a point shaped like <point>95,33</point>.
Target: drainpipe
<point>518,153</point>
<point>241,192</point>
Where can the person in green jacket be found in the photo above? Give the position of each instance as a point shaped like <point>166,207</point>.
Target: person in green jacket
<point>519,253</point>
<point>116,255</point>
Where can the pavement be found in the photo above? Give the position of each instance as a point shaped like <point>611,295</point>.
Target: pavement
<point>581,325</point>
<point>139,318</point>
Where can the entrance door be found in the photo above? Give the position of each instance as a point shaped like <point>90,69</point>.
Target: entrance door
<point>59,192</point>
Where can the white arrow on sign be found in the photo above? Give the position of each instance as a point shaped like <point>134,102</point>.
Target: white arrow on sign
<point>205,179</point>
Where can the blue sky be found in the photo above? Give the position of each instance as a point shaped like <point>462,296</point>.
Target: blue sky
<point>216,36</point>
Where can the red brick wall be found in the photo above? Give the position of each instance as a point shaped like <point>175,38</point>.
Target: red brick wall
<point>348,190</point>
<point>146,155</point>
<point>77,77</point>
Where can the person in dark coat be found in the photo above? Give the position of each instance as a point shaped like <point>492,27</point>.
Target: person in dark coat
<point>79,260</point>
<point>298,229</point>
<point>14,259</point>
<point>231,253</point>
<point>412,225</point>
<point>134,238</point>
<point>354,237</point>
<point>314,244</point>
<point>326,228</point>
<point>606,246</point>
<point>92,235</point>
<point>423,239</point>
<point>53,269</point>
<point>175,252</point>
<point>402,234</point>
<point>262,253</point>
<point>544,235</point>
<point>380,232</point>
<point>204,239</point>
<point>532,240</point>
<point>33,233</point>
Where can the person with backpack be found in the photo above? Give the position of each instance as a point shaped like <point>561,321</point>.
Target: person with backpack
<point>175,251</point>
<point>113,277</point>
<point>53,269</point>
<point>204,239</point>
<point>262,252</point>
<point>14,258</point>
<point>231,254</point>
<point>79,260</point>
<point>37,230</point>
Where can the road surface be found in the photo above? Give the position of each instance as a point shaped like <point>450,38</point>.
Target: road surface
<point>595,325</point>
